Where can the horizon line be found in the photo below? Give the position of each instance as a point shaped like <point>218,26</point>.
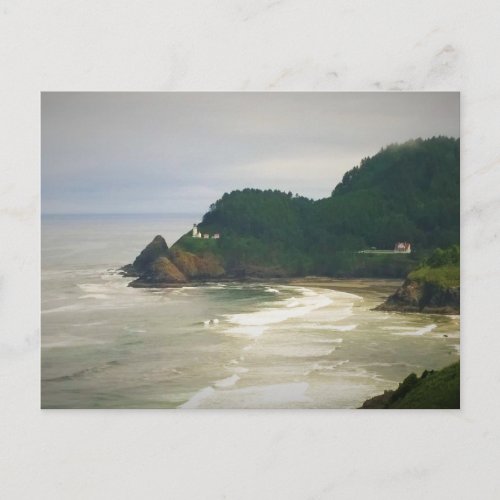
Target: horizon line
<point>116,213</point>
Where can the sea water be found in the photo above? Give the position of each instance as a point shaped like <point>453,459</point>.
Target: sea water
<point>313,343</point>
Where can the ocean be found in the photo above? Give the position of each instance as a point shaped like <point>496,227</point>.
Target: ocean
<point>309,343</point>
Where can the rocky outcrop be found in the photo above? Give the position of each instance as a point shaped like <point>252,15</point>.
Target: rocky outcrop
<point>145,260</point>
<point>162,272</point>
<point>197,267</point>
<point>424,297</point>
<point>378,402</point>
<point>158,266</point>
<point>153,267</point>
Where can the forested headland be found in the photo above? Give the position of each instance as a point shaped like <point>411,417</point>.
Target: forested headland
<point>406,192</point>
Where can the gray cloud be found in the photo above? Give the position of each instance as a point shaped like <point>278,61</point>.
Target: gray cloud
<point>178,152</point>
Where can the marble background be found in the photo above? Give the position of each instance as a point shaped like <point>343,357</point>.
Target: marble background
<point>248,45</point>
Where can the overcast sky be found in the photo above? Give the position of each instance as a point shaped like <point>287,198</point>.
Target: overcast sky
<point>179,152</point>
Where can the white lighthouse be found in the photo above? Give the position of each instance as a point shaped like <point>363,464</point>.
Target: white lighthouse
<point>206,236</point>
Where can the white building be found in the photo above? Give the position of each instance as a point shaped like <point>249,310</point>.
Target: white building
<point>402,247</point>
<point>196,233</point>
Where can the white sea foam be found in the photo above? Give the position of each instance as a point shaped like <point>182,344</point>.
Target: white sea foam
<point>198,398</point>
<point>247,331</point>
<point>318,367</point>
<point>135,330</point>
<point>72,342</point>
<point>341,310</point>
<point>316,350</point>
<point>416,333</point>
<point>397,328</point>
<point>387,365</point>
<point>291,308</point>
<point>279,393</point>
<point>343,328</point>
<point>227,382</point>
<point>69,307</point>
<point>239,369</point>
<point>271,290</point>
<point>262,396</point>
<point>90,323</point>
<point>97,296</point>
<point>265,396</point>
<point>95,288</point>
<point>211,322</point>
<point>306,291</point>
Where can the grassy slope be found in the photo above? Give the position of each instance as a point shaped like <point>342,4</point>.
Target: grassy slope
<point>440,389</point>
<point>433,286</point>
<point>445,276</point>
<point>197,245</point>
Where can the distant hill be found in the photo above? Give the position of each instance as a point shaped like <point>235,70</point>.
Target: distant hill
<point>406,192</point>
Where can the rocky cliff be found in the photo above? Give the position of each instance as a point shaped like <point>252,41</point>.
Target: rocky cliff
<point>205,266</point>
<point>159,266</point>
<point>425,297</point>
<point>433,287</point>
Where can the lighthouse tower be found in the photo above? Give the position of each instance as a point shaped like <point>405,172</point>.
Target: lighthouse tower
<point>195,231</point>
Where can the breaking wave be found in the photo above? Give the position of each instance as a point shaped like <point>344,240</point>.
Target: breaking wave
<point>289,308</point>
<point>416,333</point>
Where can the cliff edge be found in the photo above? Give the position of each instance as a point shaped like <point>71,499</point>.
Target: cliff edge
<point>434,287</point>
<point>158,266</point>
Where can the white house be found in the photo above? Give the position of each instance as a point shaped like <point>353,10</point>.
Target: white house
<point>402,247</point>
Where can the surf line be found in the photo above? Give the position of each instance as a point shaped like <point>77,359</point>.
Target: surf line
<point>254,324</point>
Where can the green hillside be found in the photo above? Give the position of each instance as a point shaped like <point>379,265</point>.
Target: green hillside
<point>441,269</point>
<point>433,390</point>
<point>407,192</point>
<point>438,389</point>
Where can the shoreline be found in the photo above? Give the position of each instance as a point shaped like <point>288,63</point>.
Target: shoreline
<point>317,281</point>
<point>351,285</point>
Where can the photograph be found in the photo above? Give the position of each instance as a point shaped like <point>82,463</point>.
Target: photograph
<point>250,250</point>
